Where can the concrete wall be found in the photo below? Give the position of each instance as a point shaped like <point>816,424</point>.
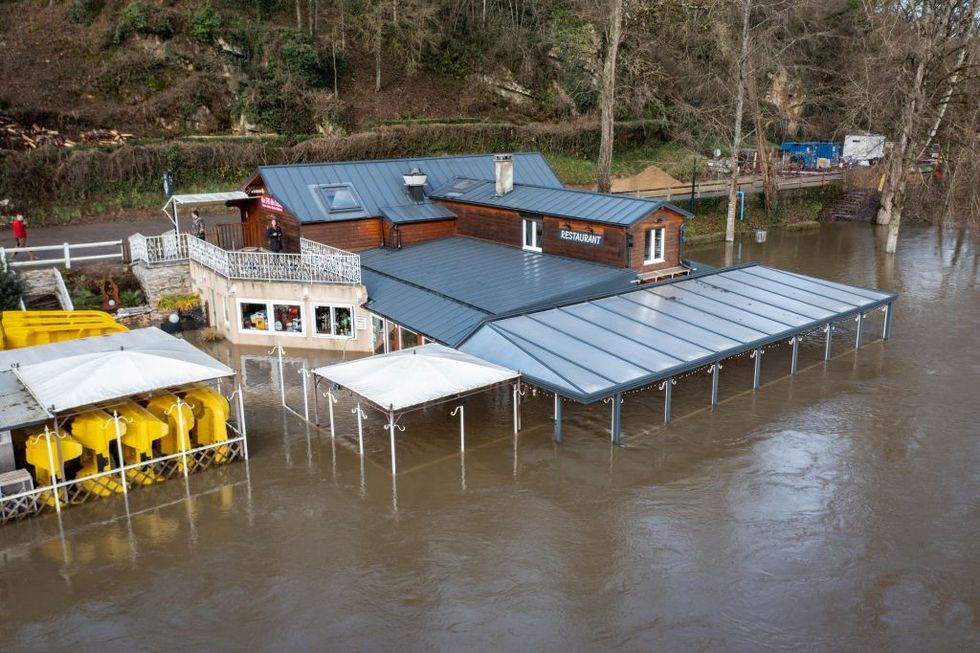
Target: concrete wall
<point>222,299</point>
<point>163,279</point>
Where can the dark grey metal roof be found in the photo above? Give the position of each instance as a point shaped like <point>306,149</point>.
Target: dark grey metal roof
<point>17,406</point>
<point>416,213</point>
<point>495,278</point>
<point>380,183</point>
<point>436,316</point>
<point>594,349</point>
<point>558,202</point>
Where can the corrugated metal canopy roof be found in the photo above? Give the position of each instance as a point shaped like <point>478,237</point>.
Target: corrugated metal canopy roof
<point>592,350</point>
<point>407,213</point>
<point>493,278</point>
<point>558,202</point>
<point>380,183</point>
<point>438,317</point>
<point>17,407</point>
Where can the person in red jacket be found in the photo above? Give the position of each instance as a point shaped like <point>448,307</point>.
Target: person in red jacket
<point>20,234</point>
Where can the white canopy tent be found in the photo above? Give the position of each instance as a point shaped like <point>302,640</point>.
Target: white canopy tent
<point>404,380</point>
<point>68,375</point>
<point>198,199</point>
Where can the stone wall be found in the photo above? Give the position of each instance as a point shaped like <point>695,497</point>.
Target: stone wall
<point>160,280</point>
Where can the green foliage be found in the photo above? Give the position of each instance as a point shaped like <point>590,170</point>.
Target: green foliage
<point>83,12</point>
<point>138,19</point>
<point>300,59</point>
<point>135,17</point>
<point>12,286</point>
<point>130,298</point>
<point>204,23</point>
<point>178,302</point>
<point>84,298</point>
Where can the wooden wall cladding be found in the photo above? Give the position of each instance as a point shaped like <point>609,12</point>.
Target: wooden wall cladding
<point>350,235</point>
<point>671,222</point>
<point>417,232</point>
<point>486,223</point>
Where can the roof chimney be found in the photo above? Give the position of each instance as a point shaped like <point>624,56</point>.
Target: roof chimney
<point>504,167</point>
<point>415,182</point>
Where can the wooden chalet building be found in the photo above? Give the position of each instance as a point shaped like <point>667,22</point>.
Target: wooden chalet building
<point>513,200</point>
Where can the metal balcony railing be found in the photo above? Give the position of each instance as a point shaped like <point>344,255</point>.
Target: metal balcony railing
<point>316,263</point>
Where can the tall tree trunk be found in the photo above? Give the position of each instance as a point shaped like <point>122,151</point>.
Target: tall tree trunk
<point>343,28</point>
<point>299,15</point>
<point>377,58</point>
<point>312,17</point>
<point>896,182</point>
<point>333,52</point>
<point>743,64</point>
<point>765,165</point>
<point>607,96</point>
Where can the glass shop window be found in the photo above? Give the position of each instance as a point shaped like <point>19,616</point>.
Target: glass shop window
<point>254,316</point>
<point>334,321</point>
<point>288,318</point>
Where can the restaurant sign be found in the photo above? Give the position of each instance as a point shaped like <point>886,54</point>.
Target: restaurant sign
<point>581,237</point>
<point>270,204</point>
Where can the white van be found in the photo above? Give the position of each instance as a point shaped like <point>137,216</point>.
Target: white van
<point>863,149</point>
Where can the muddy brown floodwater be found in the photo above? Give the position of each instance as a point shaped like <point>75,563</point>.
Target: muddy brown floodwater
<point>838,510</point>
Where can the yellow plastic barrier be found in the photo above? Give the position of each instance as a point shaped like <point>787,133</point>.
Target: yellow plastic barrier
<point>96,431</point>
<point>41,456</point>
<point>179,421</point>
<point>30,328</point>
<point>142,430</point>
<point>211,411</point>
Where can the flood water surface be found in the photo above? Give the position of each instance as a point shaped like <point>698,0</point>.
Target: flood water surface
<point>835,510</point>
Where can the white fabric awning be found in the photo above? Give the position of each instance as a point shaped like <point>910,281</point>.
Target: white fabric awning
<point>413,377</point>
<point>88,371</point>
<point>198,199</point>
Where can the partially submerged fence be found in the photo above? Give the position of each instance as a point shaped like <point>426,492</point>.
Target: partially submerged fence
<point>316,263</point>
<point>123,478</point>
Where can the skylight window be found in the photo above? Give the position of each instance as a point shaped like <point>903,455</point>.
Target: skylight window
<point>340,198</point>
<point>461,186</point>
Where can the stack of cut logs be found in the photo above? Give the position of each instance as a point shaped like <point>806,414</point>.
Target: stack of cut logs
<point>14,136</point>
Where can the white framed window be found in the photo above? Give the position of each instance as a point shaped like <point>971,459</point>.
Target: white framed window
<point>332,321</point>
<point>275,317</point>
<point>533,234</point>
<point>653,246</point>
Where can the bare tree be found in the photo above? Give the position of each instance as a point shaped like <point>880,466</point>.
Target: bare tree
<point>607,94</point>
<point>917,37</point>
<point>743,66</point>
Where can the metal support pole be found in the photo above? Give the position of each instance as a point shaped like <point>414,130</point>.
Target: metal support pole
<point>360,426</point>
<point>715,368</point>
<point>667,386</point>
<point>886,331</point>
<point>462,429</point>
<point>830,334</point>
<point>180,434</point>
<point>54,472</point>
<point>119,451</point>
<point>306,393</point>
<point>517,407</point>
<point>757,373</point>
<point>558,433</point>
<point>796,354</point>
<point>240,390</point>
<point>282,383</point>
<point>330,402</point>
<point>617,418</point>
<point>391,430</point>
<point>860,321</point>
